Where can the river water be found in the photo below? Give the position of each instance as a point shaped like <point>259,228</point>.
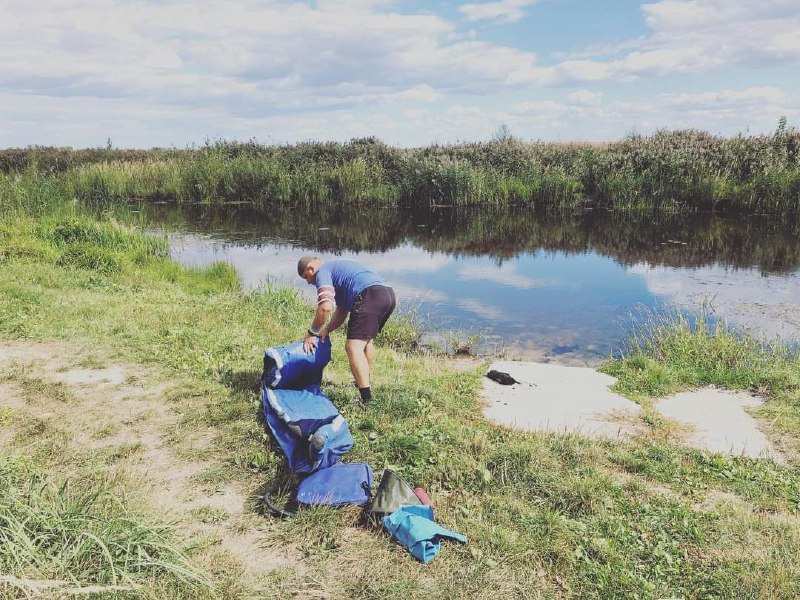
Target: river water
<point>567,288</point>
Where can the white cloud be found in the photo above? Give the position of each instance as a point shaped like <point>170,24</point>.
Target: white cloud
<point>718,109</point>
<point>176,72</point>
<point>507,11</point>
<point>248,56</point>
<point>726,110</point>
<point>545,108</point>
<point>693,36</point>
<point>503,275</point>
<point>419,93</point>
<point>759,96</point>
<point>585,97</point>
<point>765,305</point>
<point>686,15</point>
<point>576,105</point>
<point>581,70</point>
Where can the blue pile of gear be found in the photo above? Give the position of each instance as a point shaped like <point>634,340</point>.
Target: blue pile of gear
<point>313,436</point>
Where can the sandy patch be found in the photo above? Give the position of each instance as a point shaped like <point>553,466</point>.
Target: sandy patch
<point>719,422</point>
<point>111,375</point>
<point>565,399</point>
<point>123,408</point>
<point>559,399</point>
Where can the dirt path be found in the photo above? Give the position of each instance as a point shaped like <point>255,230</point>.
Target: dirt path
<point>77,404</point>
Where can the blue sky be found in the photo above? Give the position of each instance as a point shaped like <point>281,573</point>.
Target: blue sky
<point>174,72</point>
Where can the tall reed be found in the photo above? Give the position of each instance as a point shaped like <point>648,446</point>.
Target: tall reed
<point>669,170</point>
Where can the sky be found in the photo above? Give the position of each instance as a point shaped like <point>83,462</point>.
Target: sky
<point>146,73</point>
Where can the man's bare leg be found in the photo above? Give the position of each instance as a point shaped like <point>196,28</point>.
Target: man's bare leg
<point>369,350</point>
<point>359,364</point>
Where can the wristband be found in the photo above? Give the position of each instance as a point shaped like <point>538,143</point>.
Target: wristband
<point>312,332</point>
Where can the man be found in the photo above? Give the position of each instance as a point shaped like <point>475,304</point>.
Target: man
<point>355,290</point>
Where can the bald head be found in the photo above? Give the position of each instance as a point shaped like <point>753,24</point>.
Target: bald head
<point>307,267</point>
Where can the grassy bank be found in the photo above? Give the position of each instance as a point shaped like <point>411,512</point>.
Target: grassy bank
<point>676,171</point>
<point>546,515</point>
<point>64,537</point>
<point>670,354</point>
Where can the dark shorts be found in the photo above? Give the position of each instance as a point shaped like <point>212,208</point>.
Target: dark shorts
<point>371,309</point>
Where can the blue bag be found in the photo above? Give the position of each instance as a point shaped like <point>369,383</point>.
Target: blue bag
<point>307,427</point>
<point>342,484</point>
<point>290,367</point>
<point>414,528</point>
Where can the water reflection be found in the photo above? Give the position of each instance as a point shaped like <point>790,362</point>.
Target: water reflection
<point>548,286</point>
<point>630,238</point>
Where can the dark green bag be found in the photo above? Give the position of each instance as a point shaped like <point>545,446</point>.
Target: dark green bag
<point>393,492</point>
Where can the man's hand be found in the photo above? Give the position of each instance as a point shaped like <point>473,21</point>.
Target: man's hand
<point>310,343</point>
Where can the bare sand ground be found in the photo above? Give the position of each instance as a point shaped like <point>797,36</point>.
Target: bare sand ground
<point>719,421</point>
<point>99,407</point>
<point>566,399</point>
<point>560,399</point>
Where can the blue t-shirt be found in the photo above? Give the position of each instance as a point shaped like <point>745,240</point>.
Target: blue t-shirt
<point>347,278</point>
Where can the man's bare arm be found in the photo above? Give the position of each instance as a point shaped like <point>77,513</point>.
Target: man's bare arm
<point>339,315</point>
<point>324,309</point>
<point>321,315</point>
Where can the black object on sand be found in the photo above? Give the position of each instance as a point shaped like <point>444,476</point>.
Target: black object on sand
<point>501,377</point>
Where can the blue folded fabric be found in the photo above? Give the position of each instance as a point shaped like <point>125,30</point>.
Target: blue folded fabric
<point>414,528</point>
<point>307,426</point>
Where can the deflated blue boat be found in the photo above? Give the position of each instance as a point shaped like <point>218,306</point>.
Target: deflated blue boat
<point>290,367</point>
<point>303,421</point>
<point>307,426</point>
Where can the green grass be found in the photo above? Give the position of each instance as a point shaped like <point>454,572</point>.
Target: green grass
<point>80,533</point>
<point>684,171</point>
<point>546,515</point>
<point>672,354</point>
